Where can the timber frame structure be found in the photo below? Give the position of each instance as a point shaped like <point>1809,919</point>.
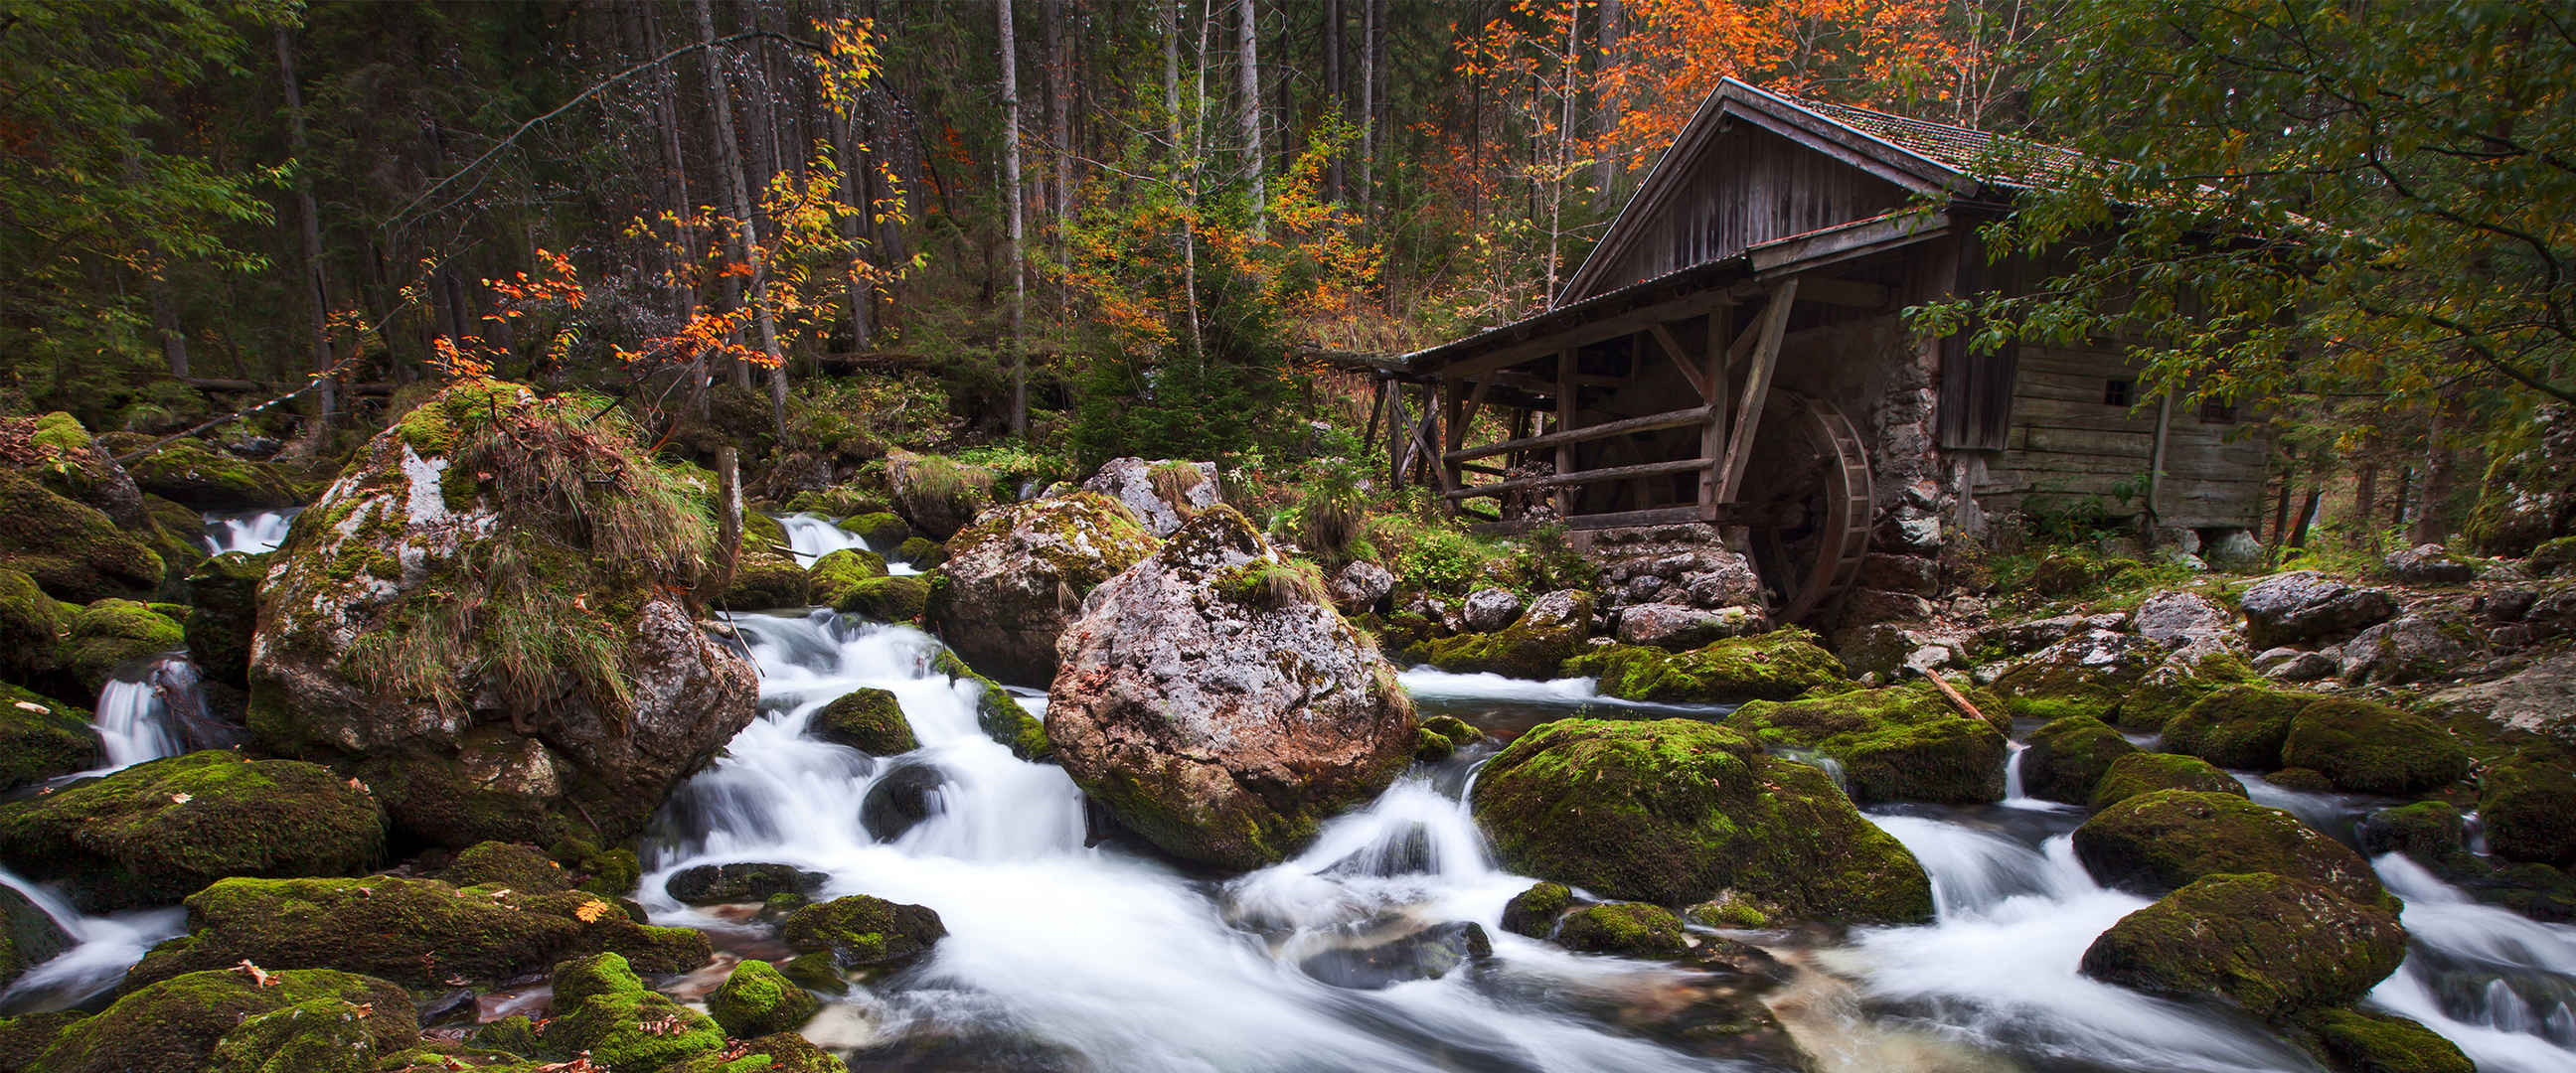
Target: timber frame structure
<point>1732,353</point>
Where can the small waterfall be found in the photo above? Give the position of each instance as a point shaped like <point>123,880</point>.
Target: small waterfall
<point>105,947</point>
<point>2016,795</point>
<point>257,531</point>
<point>2500,985</point>
<point>133,724</point>
<point>812,536</point>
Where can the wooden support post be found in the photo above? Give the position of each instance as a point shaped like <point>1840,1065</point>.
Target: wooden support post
<point>1672,348</point>
<point>1712,436</point>
<point>1399,436</point>
<point>1757,387</point>
<point>1453,430</point>
<point>1565,406</point>
<point>1377,408</point>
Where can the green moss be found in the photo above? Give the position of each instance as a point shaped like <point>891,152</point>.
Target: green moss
<point>1728,912</point>
<point>2271,944</point>
<point>1533,912</point>
<point>223,593</point>
<point>323,1035</point>
<point>1772,666</point>
<point>71,549</point>
<point>602,1009</point>
<point>2237,727</point>
<point>2090,673</point>
<point>817,971</point>
<point>41,738</point>
<point>996,713</point>
<point>2553,555</point>
<point>1675,811</point>
<point>765,581</point>
<point>2432,833</point>
<point>886,599</point>
<point>2068,757</point>
<point>189,472</point>
<point>508,865</point>
<point>758,1000</point>
<point>153,832</point>
<point>863,932</point>
<point>2382,1043</point>
<point>1905,743</point>
<point>2529,808</point>
<point>1631,929</point>
<point>832,576</point>
<point>29,628</point>
<point>417,931</point>
<point>2145,773</point>
<point>778,1052</point>
<point>2157,842</point>
<point>24,1037</point>
<point>869,720</point>
<point>612,873</point>
<point>2169,690</point>
<point>837,502</point>
<point>1528,648</point>
<point>173,1025</point>
<point>922,552</point>
<point>2367,747</point>
<point>882,529</point>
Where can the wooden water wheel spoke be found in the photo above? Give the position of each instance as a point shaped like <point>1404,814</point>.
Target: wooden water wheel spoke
<point>1811,481</point>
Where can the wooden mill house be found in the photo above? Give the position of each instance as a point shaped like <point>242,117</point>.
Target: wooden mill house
<point>1733,353</point>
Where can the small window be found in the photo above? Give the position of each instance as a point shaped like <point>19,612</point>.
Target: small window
<point>2217,413</point>
<point>2119,392</point>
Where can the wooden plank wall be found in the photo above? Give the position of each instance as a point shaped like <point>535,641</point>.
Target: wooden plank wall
<point>2066,444</point>
<point>1749,186</point>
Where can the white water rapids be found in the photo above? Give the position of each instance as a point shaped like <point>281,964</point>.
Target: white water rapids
<point>812,536</point>
<point>256,531</point>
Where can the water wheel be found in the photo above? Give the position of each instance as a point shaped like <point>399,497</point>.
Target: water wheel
<point>1806,497</point>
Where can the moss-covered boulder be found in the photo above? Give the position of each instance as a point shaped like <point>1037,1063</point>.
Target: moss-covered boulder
<point>28,937</point>
<point>73,550</point>
<point>1629,929</point>
<point>861,932</point>
<point>1904,743</point>
<point>997,713</point>
<point>765,573</point>
<point>2172,687</point>
<point>2271,944</point>
<point>939,496</point>
<point>757,1000</point>
<point>1551,631</point>
<point>173,1026</point>
<point>1676,811</point>
<point>2145,773</point>
<point>1773,666</point>
<point>223,613</point>
<point>2068,757</point>
<point>513,866</point>
<point>868,720</point>
<point>41,738</point>
<point>2237,727</point>
<point>109,633</point>
<point>192,473</point>
<point>882,530</point>
<point>2380,1043</point>
<point>842,501</point>
<point>2087,673</point>
<point>2368,747</point>
<point>415,931</point>
<point>886,599</point>
<point>603,1011</point>
<point>1017,577</point>
<point>486,617</point>
<point>835,574</point>
<point>922,553</point>
<point>1441,736</point>
<point>2529,808</point>
<point>1215,702</point>
<point>321,1035</point>
<point>2529,491</point>
<point>741,881</point>
<point>31,623</point>
<point>2154,843</point>
<point>154,832</point>
<point>1534,912</point>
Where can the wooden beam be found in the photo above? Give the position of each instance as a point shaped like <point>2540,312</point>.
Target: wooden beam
<point>1565,407</point>
<point>1648,423</point>
<point>1580,335</point>
<point>1845,292</point>
<point>1757,387</point>
<point>1612,520</point>
<point>1399,436</point>
<point>1377,407</point>
<point>1672,348</point>
<point>1712,436</point>
<point>1588,476</point>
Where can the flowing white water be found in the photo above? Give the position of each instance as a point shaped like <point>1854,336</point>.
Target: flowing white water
<point>813,536</point>
<point>105,947</point>
<point>2500,985</point>
<point>252,531</point>
<point>1110,956</point>
<point>133,722</point>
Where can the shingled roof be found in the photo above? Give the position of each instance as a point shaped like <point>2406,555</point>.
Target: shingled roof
<point>1995,158</point>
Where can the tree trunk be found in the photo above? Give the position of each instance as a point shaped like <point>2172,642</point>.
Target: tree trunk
<point>674,191</point>
<point>1248,41</point>
<point>746,235</point>
<point>2441,459</point>
<point>1011,197</point>
<point>1338,108</point>
<point>1372,42</point>
<point>308,223</point>
<point>1605,112</point>
<point>2365,489</point>
<point>2307,514</point>
<point>165,315</point>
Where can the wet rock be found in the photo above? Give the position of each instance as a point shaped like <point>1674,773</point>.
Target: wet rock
<point>1361,587</point>
<point>2411,648</point>
<point>2270,944</point>
<point>1162,495</point>
<point>1897,651</point>
<point>1217,704</point>
<point>603,1011</point>
<point>1903,743</point>
<point>885,599</point>
<point>2303,605</point>
<point>188,472</point>
<point>109,634</point>
<point>223,611</point>
<point>30,625</point>
<point>901,799</point>
<point>1491,609</point>
<point>173,1026</point>
<point>511,865</point>
<point>756,1001</point>
<point>2238,727</point>
<point>2139,773</point>
<point>1772,666</point>
<point>42,738</point>
<point>456,1005</point>
<point>153,832</point>
<point>2532,700</point>
<point>2234,551</point>
<point>2366,747</point>
<point>741,881</point>
<point>1533,912</point>
<point>1628,929</point>
<point>1427,954</point>
<point>997,713</point>
<point>1912,574</point>
<point>1535,645</point>
<point>2068,757</point>
<point>939,496</point>
<point>2063,575</point>
<point>2426,564</point>
<point>922,553</point>
<point>570,701</point>
<point>2157,842</point>
<point>2292,665</point>
<point>832,577</point>
<point>864,932</point>
<point>1676,811</point>
<point>2036,634</point>
<point>2529,808</point>
<point>2382,1043</point>
<point>884,531</point>
<point>2088,673</point>
<point>2173,619</point>
<point>74,550</point>
<point>28,937</point>
<point>1681,627</point>
<point>1016,579</point>
<point>868,720</point>
<point>1441,736</point>
<point>419,932</point>
<point>1863,607</point>
<point>2170,688</point>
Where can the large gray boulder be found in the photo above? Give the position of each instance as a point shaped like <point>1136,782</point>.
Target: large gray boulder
<point>1681,627</point>
<point>1016,577</point>
<point>498,665</point>
<point>2427,564</point>
<point>1162,495</point>
<point>1361,586</point>
<point>1215,702</point>
<point>2174,619</point>
<point>1492,609</point>
<point>2412,648</point>
<point>2304,605</point>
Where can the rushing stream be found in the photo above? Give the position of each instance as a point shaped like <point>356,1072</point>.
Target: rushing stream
<point>813,536</point>
<point>255,531</point>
